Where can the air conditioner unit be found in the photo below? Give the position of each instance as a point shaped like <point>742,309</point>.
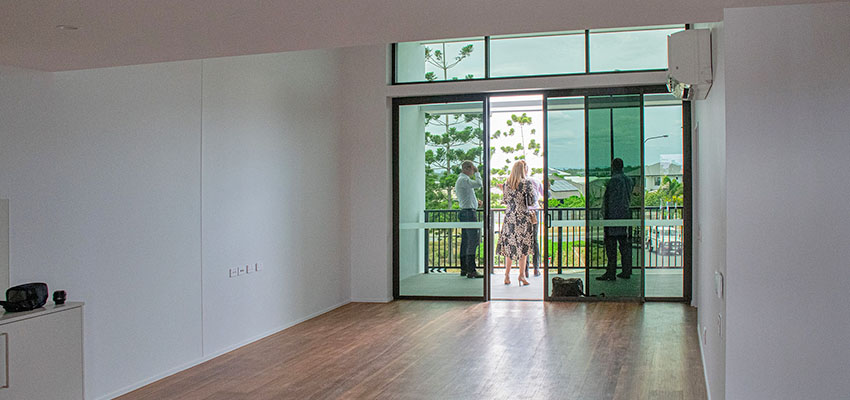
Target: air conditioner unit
<point>689,64</point>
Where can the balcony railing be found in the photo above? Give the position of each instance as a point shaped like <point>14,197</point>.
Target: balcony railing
<point>567,245</point>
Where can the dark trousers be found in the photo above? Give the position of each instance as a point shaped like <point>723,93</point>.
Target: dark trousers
<point>469,239</point>
<point>534,257</point>
<point>611,243</point>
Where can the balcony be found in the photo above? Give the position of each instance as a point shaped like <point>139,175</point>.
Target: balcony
<point>568,237</point>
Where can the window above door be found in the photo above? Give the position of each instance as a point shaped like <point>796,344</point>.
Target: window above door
<point>589,51</point>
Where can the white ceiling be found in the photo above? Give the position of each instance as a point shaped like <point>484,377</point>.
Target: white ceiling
<point>126,32</point>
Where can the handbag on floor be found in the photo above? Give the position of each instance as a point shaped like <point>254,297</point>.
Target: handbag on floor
<point>570,287</point>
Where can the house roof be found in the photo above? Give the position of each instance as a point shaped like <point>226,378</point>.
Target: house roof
<point>559,185</point>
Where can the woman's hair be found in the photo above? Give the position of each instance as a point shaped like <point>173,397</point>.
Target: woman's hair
<point>517,175</point>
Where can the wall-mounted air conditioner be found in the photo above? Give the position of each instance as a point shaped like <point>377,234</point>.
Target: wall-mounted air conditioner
<point>689,64</point>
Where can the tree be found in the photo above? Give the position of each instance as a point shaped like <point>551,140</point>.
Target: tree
<point>670,191</point>
<point>446,153</point>
<point>518,124</point>
<point>438,59</point>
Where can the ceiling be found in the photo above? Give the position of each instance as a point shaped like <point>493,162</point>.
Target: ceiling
<point>127,32</point>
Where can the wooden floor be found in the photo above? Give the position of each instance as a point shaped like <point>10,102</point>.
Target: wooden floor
<point>461,350</point>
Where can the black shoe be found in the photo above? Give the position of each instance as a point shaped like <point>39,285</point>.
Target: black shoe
<point>606,277</point>
<point>624,275</point>
<point>474,275</point>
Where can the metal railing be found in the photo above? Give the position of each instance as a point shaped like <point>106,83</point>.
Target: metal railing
<point>567,245</point>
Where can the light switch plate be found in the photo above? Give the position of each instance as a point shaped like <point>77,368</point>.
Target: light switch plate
<point>234,272</point>
<point>243,269</point>
<point>249,269</point>
<point>718,284</point>
<point>258,266</point>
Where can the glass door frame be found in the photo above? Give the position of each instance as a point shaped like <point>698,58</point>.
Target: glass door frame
<point>686,172</point>
<point>487,223</point>
<point>487,246</point>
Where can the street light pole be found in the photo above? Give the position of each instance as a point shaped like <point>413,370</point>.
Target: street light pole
<point>655,137</point>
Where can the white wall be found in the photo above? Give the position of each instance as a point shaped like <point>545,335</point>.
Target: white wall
<point>103,185</point>
<point>4,242</point>
<point>787,119</point>
<point>709,192</point>
<point>271,193</point>
<point>366,113</point>
<point>103,172</point>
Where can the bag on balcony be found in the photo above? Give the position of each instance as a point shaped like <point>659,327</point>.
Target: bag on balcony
<point>570,287</point>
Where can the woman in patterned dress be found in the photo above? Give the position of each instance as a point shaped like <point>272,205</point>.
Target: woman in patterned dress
<point>516,239</point>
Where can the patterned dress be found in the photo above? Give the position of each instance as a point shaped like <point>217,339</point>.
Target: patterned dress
<point>516,238</point>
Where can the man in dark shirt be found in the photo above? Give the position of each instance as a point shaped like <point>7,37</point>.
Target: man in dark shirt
<point>615,206</point>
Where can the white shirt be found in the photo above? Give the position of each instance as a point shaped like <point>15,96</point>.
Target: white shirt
<point>538,193</point>
<point>465,189</point>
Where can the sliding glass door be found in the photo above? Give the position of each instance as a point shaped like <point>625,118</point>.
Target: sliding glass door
<point>440,181</point>
<point>615,172</point>
<point>616,207</point>
<point>614,196</point>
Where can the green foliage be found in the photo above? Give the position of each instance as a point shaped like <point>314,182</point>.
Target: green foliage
<point>570,202</point>
<point>444,157</point>
<point>518,124</point>
<point>671,191</point>
<point>438,59</point>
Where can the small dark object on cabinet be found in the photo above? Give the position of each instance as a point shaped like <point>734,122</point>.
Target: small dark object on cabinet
<point>28,296</point>
<point>59,297</point>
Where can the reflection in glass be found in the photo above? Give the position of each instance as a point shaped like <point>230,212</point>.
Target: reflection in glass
<point>614,132</point>
<point>437,234</point>
<point>565,152</point>
<point>629,49</point>
<point>454,59</point>
<point>528,55</point>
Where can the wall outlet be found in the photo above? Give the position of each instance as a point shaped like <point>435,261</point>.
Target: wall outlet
<point>234,272</point>
<point>243,269</point>
<point>258,267</point>
<point>249,269</point>
<point>704,336</point>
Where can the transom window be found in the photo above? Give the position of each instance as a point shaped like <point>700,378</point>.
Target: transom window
<point>539,54</point>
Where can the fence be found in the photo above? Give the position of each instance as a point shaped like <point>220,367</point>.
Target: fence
<point>567,243</point>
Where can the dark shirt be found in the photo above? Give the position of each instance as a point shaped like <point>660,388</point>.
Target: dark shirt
<point>615,202</point>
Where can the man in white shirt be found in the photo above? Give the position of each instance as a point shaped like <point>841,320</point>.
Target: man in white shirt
<point>467,182</point>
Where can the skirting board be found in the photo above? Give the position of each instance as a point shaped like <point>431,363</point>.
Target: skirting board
<point>372,300</point>
<point>702,357</point>
<point>208,357</point>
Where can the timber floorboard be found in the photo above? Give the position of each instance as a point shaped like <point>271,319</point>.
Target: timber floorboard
<point>461,350</point>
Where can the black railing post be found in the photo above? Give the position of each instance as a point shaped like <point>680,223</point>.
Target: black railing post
<point>560,243</point>
<point>427,246</point>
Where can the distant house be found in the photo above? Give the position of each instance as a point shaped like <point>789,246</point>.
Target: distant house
<point>563,189</point>
<point>654,173</point>
<point>563,185</point>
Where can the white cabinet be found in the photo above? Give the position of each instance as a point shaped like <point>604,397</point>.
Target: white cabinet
<point>42,353</point>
